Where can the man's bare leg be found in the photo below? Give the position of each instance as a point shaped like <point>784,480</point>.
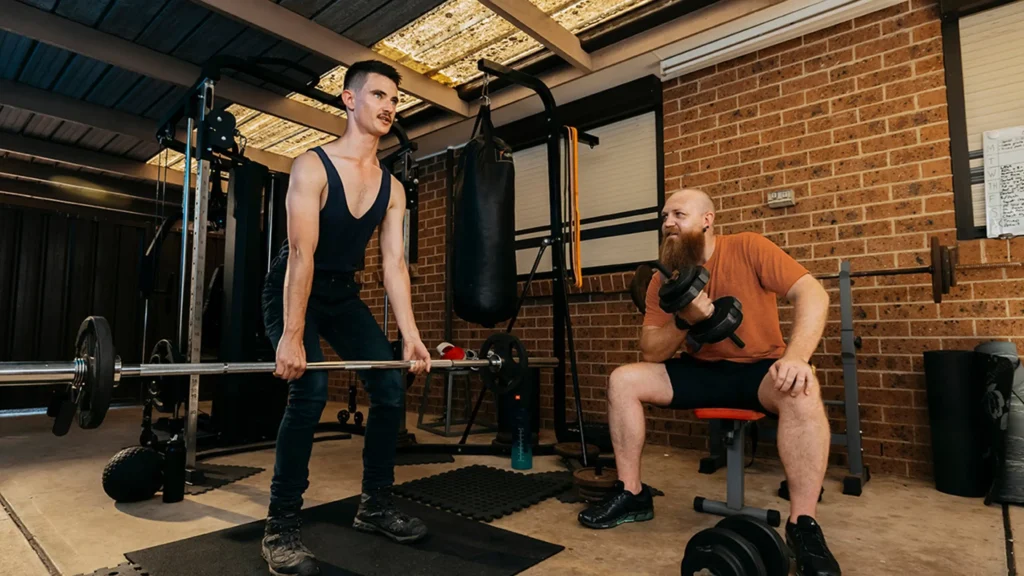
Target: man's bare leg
<point>804,438</point>
<point>629,387</point>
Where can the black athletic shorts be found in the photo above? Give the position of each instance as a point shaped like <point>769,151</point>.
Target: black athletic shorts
<point>719,384</point>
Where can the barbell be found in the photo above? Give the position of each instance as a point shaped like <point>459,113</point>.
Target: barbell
<point>943,269</point>
<point>91,377</point>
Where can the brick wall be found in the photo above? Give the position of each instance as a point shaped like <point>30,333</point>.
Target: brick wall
<point>853,119</point>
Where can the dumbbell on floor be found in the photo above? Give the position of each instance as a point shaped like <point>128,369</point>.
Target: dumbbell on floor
<point>737,546</point>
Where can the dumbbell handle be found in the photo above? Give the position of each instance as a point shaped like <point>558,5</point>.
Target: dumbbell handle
<point>736,340</point>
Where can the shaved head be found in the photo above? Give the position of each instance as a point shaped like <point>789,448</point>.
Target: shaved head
<point>687,226</point>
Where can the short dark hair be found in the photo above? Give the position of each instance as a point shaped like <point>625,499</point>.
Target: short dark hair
<point>357,73</point>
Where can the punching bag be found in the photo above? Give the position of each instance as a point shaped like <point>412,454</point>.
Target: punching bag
<point>484,255</point>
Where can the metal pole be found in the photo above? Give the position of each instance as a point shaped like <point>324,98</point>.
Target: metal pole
<point>186,186</point>
<point>22,373</point>
<point>204,105</point>
<point>270,225</point>
<point>849,355</point>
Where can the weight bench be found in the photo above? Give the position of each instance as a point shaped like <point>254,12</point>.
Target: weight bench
<point>734,443</point>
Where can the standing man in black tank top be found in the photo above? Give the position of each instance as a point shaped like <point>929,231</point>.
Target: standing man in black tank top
<point>338,194</point>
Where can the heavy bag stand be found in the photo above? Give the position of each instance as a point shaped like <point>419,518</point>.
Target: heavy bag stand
<point>562,322</point>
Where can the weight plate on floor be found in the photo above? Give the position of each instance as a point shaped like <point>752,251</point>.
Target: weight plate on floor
<point>588,478</point>
<point>723,553</point>
<point>514,362</point>
<point>572,450</point>
<point>95,345</point>
<point>766,539</point>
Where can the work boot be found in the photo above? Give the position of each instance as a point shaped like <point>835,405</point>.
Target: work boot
<point>378,513</point>
<point>283,550</point>
<point>807,542</point>
<point>620,507</point>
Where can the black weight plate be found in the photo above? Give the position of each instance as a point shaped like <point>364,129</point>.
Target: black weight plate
<point>738,547</point>
<point>727,318</point>
<point>95,345</point>
<point>766,539</point>
<point>717,560</point>
<point>514,362</point>
<point>677,294</point>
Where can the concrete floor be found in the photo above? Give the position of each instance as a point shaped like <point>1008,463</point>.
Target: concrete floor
<point>897,526</point>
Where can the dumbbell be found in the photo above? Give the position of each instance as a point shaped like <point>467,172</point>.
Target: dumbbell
<point>722,324</point>
<point>737,546</point>
<point>680,287</point>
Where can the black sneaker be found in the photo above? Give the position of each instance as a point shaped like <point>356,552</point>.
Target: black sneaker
<point>620,507</point>
<point>283,550</point>
<point>378,513</point>
<point>807,542</point>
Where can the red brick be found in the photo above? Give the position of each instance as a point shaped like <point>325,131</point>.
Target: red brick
<point>865,98</point>
<point>918,153</point>
<point>680,91</point>
<point>976,309</point>
<point>741,171</point>
<point>813,204</point>
<point>784,103</point>
<point>832,121</point>
<point>696,100</point>
<point>889,141</point>
<point>784,133</point>
<point>742,200</point>
<point>885,76</point>
<point>858,131</point>
<point>893,209</point>
<point>916,84</point>
<point>926,31</point>
<point>911,20</point>
<point>887,108</point>
<point>759,95</point>
<point>735,88</point>
<point>839,249</point>
<point>890,175</point>
<point>862,197</point>
<point>718,134</point>
<point>807,142</point>
<point>780,74</point>
<point>787,223</point>
<point>669,108</point>
<point>832,90</point>
<point>696,75</point>
<point>880,15</point>
<point>933,98</point>
<point>861,164</point>
<point>929,223</point>
<point>717,107</point>
<point>680,117</point>
<point>804,113</point>
<point>740,143</point>
<point>839,152</point>
<point>936,168</point>
<point>858,67</point>
<point>811,236</point>
<point>828,32</point>
<point>779,48</point>
<point>698,125</point>
<point>998,290</point>
<point>929,64</point>
<point>699,152</point>
<point>827,61</point>
<point>737,115</point>
<point>883,44</point>
<point>761,152</point>
<point>808,173</point>
<point>923,188</point>
<point>810,49</point>
<point>1013,327</point>
<point>737,61</point>
<point>836,185</point>
<point>1016,307</point>
<point>720,161</point>
<point>922,118</point>
<point>784,162</point>
<point>717,80</point>
<point>757,67</point>
<point>856,36</point>
<point>866,230</point>
<point>762,123</point>
<point>842,216</point>
<point>754,226</point>
<point>762,182</point>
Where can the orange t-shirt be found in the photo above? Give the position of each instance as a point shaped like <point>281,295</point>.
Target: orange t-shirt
<point>754,270</point>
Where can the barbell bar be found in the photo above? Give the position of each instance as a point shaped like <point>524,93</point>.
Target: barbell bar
<point>503,363</point>
<point>943,268</point>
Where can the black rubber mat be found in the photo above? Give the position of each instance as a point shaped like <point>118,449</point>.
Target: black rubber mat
<point>123,569</point>
<point>482,492</point>
<point>218,475</point>
<point>412,458</point>
<point>455,546</point>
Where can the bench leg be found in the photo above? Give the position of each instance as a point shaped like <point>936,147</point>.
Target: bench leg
<point>734,485</point>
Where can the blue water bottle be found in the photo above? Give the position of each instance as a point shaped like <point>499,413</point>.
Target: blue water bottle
<point>522,444</point>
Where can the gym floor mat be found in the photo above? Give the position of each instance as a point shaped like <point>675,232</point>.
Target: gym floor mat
<point>455,546</point>
<point>218,475</point>
<point>482,492</point>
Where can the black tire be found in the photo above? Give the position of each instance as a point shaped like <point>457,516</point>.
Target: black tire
<point>134,474</point>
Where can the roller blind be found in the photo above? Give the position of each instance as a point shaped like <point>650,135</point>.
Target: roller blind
<point>618,197</point>
<point>992,49</point>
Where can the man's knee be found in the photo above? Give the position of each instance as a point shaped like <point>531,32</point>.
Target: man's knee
<point>308,394</point>
<point>385,388</point>
<point>805,404</point>
<point>621,383</point>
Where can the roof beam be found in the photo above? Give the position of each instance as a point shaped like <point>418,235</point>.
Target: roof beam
<point>85,158</point>
<point>26,97</point>
<point>51,192</point>
<point>307,34</point>
<point>57,31</point>
<point>544,29</point>
<point>83,180</point>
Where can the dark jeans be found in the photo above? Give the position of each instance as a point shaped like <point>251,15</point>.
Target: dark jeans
<point>335,312</point>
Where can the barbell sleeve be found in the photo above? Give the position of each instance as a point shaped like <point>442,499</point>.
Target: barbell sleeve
<point>21,373</point>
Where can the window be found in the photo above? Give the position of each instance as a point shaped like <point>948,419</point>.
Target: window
<point>620,194</point>
<point>984,51</point>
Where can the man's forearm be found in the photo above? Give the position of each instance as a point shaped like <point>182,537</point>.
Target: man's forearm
<point>810,315</point>
<point>298,280</point>
<point>660,344</point>
<point>398,287</point>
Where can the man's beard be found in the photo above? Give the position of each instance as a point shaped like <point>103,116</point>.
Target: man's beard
<point>686,249</point>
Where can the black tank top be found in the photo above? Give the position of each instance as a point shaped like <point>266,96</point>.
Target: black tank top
<point>343,237</point>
